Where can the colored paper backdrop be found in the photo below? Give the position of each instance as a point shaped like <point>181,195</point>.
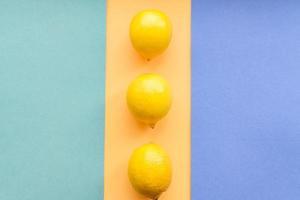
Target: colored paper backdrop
<point>245,100</point>
<point>52,56</point>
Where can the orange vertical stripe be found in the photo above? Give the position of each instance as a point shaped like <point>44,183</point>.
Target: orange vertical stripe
<point>122,132</point>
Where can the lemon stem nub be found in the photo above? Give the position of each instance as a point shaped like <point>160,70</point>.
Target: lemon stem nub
<point>152,126</point>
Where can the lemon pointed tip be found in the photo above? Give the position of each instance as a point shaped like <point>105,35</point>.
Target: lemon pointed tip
<point>152,126</point>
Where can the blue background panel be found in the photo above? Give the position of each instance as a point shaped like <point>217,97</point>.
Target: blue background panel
<point>245,100</point>
<point>51,99</point>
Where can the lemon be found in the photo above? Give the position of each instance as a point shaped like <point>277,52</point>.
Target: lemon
<point>150,33</point>
<point>149,98</point>
<point>150,170</point>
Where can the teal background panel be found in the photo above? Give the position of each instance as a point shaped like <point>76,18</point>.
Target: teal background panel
<point>52,70</point>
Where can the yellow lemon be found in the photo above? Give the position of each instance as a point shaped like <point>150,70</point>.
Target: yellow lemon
<point>149,98</point>
<point>150,33</point>
<point>150,170</point>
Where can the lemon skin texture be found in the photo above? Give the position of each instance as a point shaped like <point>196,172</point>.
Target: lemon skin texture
<point>150,170</point>
<point>149,98</point>
<point>150,33</point>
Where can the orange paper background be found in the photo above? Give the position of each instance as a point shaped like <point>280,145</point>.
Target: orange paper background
<point>122,132</point>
